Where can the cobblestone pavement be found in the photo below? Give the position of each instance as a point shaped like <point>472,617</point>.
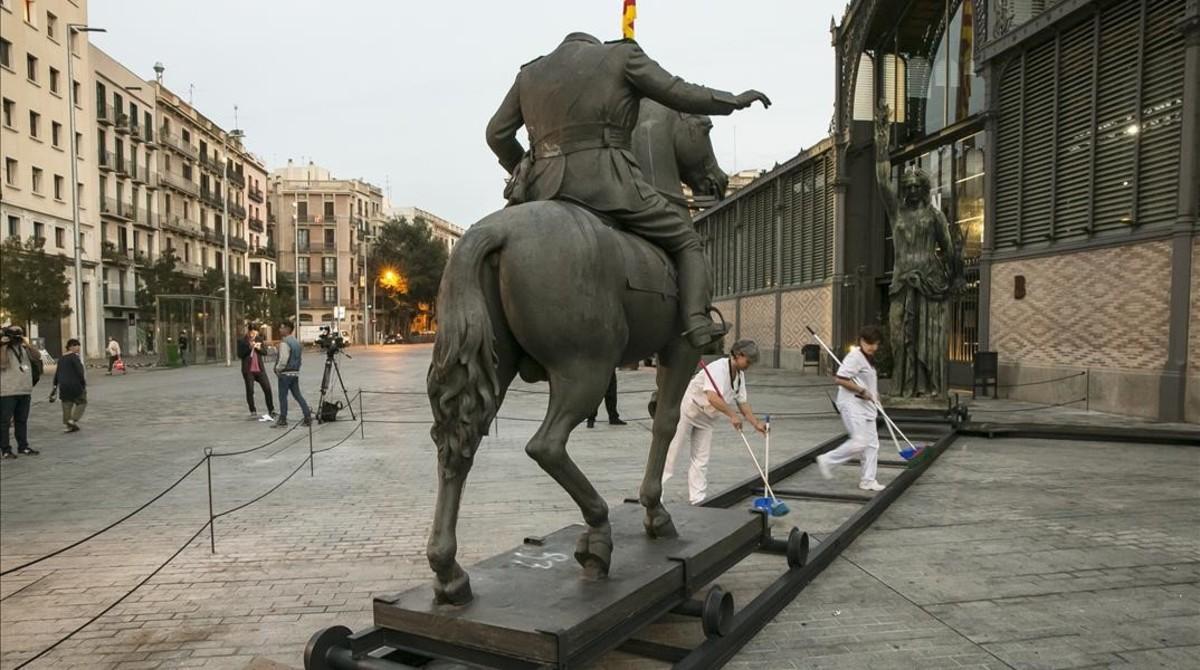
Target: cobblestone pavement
<point>1007,553</point>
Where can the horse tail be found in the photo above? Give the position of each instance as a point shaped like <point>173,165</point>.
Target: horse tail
<point>463,387</point>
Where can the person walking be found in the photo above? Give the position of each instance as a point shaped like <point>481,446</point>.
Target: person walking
<point>254,369</point>
<point>719,388</point>
<point>856,401</point>
<point>114,353</point>
<point>610,405</point>
<point>287,368</point>
<point>70,386</point>
<point>20,368</point>
<point>183,347</point>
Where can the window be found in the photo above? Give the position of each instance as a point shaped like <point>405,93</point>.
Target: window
<point>31,67</point>
<point>9,107</point>
<point>79,195</point>
<point>330,294</point>
<point>54,77</point>
<point>101,101</point>
<point>60,237</point>
<point>51,25</point>
<point>78,144</point>
<point>6,53</point>
<point>58,187</point>
<point>329,266</point>
<point>329,210</point>
<point>35,124</point>
<point>330,240</point>
<point>304,293</point>
<point>75,93</point>
<point>14,226</point>
<point>56,133</point>
<point>10,172</point>
<point>37,179</point>
<point>29,11</point>
<point>39,231</point>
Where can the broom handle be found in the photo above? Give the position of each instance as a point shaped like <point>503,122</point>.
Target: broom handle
<point>887,419</point>
<point>766,484</point>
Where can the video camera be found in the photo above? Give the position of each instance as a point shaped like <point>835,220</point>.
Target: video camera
<point>331,341</point>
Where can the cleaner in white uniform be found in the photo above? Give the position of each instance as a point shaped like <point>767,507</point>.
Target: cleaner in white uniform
<point>856,401</point>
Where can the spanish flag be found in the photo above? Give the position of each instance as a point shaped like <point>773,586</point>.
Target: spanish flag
<point>628,14</point>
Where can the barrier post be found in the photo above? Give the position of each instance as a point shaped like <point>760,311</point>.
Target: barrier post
<point>362,418</point>
<point>212,535</point>
<point>312,468</point>
<point>1087,389</point>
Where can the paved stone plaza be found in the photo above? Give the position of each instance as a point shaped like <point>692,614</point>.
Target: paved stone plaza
<point>1007,553</point>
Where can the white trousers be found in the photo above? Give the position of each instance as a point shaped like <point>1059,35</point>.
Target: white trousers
<point>695,428</point>
<point>863,443</point>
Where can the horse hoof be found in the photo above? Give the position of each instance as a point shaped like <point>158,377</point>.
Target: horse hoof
<point>456,591</point>
<point>658,524</point>
<point>593,550</point>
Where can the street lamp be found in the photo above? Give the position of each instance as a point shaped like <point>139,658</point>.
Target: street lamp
<point>296,254</point>
<point>73,28</point>
<point>237,135</point>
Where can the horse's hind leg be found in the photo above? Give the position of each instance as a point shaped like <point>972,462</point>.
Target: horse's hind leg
<point>451,584</point>
<point>676,365</point>
<point>574,394</point>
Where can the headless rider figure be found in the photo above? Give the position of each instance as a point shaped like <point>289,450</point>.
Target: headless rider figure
<point>579,104</point>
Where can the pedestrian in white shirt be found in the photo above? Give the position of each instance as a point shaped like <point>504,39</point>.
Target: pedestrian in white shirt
<point>856,401</point>
<point>719,388</point>
<point>114,353</point>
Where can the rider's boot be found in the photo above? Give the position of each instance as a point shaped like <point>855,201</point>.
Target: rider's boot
<point>694,294</point>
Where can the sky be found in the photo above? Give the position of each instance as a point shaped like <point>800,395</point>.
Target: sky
<point>398,92</point>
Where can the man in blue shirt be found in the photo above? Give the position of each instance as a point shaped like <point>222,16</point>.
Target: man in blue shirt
<point>287,368</point>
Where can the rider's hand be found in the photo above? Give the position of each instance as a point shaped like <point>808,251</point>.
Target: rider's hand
<point>749,97</point>
<point>736,422</point>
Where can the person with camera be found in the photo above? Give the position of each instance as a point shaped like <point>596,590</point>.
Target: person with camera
<point>254,369</point>
<point>287,368</point>
<point>70,386</point>
<point>20,369</point>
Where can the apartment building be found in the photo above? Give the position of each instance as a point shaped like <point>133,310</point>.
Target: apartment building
<point>36,193</point>
<point>126,189</point>
<point>320,221</point>
<point>445,232</point>
<point>205,172</point>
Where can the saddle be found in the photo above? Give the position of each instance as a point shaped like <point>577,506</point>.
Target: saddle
<point>648,269</point>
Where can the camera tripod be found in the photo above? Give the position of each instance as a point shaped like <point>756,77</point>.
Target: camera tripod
<point>331,365</point>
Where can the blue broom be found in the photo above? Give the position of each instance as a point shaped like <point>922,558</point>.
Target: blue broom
<point>769,503</point>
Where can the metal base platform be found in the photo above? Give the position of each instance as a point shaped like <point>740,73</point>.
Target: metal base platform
<point>533,608</point>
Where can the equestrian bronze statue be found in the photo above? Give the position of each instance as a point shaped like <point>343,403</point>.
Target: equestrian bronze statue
<point>926,275</point>
<point>578,275</point>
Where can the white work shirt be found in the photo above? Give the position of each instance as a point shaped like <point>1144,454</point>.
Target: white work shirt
<point>731,388</point>
<point>857,368</point>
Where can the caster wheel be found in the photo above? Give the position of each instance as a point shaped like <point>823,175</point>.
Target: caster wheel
<point>717,613</point>
<point>797,548</point>
<point>321,643</point>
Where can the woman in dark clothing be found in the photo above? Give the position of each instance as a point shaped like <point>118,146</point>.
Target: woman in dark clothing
<point>254,369</point>
<point>70,386</point>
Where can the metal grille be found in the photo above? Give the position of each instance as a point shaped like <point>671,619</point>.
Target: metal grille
<point>963,340</point>
<point>1089,128</point>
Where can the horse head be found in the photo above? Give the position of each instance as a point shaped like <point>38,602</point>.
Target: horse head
<point>694,154</point>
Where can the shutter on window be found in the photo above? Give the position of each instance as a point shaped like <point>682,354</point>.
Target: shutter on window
<point>1039,137</point>
<point>1008,157</point>
<point>1074,144</point>
<point>1117,103</point>
<point>828,216</point>
<point>1162,105</point>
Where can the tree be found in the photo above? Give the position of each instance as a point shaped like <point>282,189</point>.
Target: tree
<point>33,284</point>
<point>408,264</point>
<point>159,278</point>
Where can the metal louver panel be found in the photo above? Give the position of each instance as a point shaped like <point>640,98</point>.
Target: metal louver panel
<point>1008,158</point>
<point>1161,109</point>
<point>1074,146</point>
<point>1038,99</point>
<point>829,218</point>
<point>1120,40</point>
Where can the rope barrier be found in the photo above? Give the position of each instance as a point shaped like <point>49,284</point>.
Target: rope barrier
<point>1043,381</point>
<point>269,491</point>
<point>109,526</point>
<point>261,446</point>
<point>1028,409</point>
<point>338,443</point>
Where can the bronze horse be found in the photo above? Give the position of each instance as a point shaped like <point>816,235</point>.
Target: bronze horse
<point>549,291</point>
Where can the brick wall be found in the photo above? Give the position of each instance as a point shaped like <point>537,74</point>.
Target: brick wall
<point>1097,309</point>
<point>806,307</point>
<point>1192,409</point>
<point>758,321</point>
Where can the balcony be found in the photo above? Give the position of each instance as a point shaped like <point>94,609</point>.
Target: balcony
<point>180,183</point>
<point>330,246</point>
<point>150,179</point>
<point>238,244</point>
<point>135,130</point>
<point>114,256</point>
<point>177,144</point>
<point>209,198</point>
<point>117,209</point>
<point>145,219</point>
<point>256,225</point>
<point>121,123</point>
<point>105,160</point>
<point>236,211</point>
<point>212,165</point>
<point>328,277</point>
<point>105,115</point>
<point>265,252</point>
<point>180,224</point>
<point>304,277</point>
<point>255,193</point>
<point>122,167</point>
<point>141,260</point>
<point>119,297</point>
<point>237,178</point>
<point>316,302</point>
<point>190,269</point>
<point>148,137</point>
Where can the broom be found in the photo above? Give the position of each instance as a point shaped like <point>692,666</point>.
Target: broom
<point>769,503</point>
<point>915,453</point>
